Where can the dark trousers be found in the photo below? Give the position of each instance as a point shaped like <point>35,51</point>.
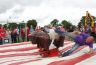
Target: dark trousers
<point>76,46</point>
<point>1,41</point>
<point>14,40</point>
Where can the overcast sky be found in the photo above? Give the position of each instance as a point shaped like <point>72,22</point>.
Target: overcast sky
<point>45,11</point>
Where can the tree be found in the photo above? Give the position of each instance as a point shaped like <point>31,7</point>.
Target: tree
<point>5,26</point>
<point>54,22</point>
<point>82,21</point>
<point>66,24</point>
<point>32,22</point>
<point>21,25</point>
<point>0,25</point>
<point>12,25</point>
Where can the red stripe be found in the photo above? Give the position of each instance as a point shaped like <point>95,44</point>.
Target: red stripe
<point>12,60</point>
<point>79,49</point>
<point>19,54</point>
<point>20,49</point>
<point>23,43</point>
<point>63,50</point>
<point>27,61</point>
<point>18,63</point>
<point>72,61</point>
<point>21,62</point>
<point>14,44</point>
<point>24,54</point>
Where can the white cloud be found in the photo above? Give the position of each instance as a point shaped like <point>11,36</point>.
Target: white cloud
<point>45,11</point>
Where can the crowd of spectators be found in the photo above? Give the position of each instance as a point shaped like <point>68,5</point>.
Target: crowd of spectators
<point>16,35</point>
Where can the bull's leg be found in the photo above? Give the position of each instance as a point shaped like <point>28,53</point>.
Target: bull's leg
<point>44,52</point>
<point>52,46</point>
<point>46,48</point>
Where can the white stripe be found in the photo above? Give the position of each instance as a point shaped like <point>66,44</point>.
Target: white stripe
<point>16,43</point>
<point>20,46</point>
<point>17,59</point>
<point>9,44</point>
<point>17,47</point>
<point>70,44</point>
<point>17,52</point>
<point>30,51</point>
<point>49,60</point>
<point>46,61</point>
<point>89,61</point>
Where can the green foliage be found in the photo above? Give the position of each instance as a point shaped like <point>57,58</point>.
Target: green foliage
<point>0,25</point>
<point>21,25</point>
<point>66,24</point>
<point>54,22</point>
<point>12,25</point>
<point>32,23</point>
<point>82,22</point>
<point>5,26</point>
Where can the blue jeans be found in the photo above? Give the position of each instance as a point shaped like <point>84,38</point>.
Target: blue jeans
<point>65,34</point>
<point>76,46</point>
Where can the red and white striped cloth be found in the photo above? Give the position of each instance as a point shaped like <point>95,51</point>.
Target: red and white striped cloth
<point>27,54</point>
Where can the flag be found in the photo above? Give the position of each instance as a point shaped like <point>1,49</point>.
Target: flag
<point>26,53</point>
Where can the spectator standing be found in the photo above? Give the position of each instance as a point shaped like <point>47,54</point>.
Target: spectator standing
<point>8,35</point>
<point>2,35</point>
<point>14,35</point>
<point>23,34</point>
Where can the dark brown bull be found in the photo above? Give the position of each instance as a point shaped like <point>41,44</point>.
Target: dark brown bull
<point>43,40</point>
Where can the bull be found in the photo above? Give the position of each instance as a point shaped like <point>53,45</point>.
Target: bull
<point>48,43</point>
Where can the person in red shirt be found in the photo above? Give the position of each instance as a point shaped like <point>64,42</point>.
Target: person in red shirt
<point>2,34</point>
